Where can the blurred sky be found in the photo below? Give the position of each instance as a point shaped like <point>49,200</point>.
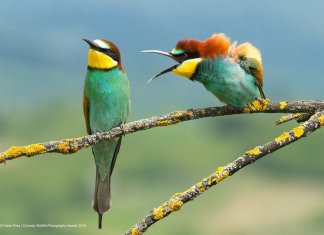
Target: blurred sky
<point>42,55</point>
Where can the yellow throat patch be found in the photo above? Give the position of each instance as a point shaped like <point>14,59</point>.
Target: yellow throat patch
<point>187,68</point>
<point>98,60</point>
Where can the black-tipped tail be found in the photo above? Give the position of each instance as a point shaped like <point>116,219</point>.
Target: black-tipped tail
<point>101,200</point>
<point>99,220</point>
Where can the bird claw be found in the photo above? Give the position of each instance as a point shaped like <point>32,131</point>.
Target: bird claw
<point>250,107</point>
<point>123,129</point>
<point>259,104</point>
<point>261,100</point>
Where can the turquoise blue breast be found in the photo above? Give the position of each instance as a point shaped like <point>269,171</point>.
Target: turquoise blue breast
<point>108,96</point>
<point>109,102</point>
<point>228,81</point>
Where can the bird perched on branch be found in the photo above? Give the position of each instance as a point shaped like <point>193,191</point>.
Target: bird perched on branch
<point>106,103</point>
<point>232,73</point>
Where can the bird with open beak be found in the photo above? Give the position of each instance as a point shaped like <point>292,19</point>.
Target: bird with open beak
<point>232,73</point>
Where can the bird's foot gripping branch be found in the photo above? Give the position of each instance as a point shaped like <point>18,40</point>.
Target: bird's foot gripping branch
<point>72,145</point>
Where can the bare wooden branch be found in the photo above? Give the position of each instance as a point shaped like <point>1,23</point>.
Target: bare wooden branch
<point>72,145</point>
<point>177,200</point>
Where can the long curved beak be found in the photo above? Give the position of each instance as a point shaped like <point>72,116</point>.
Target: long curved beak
<point>168,54</point>
<point>91,43</point>
<point>162,72</point>
<point>165,53</point>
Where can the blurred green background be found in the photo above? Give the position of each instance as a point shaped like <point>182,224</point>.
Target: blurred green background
<point>43,64</point>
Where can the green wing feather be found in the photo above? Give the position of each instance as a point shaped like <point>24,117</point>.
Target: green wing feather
<point>252,67</point>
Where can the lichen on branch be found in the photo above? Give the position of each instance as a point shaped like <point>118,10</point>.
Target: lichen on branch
<point>312,112</point>
<point>179,199</point>
<point>72,145</point>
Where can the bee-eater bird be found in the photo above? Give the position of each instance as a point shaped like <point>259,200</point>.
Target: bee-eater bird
<point>232,73</point>
<point>106,104</point>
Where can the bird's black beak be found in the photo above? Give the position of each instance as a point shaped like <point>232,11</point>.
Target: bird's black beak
<point>163,72</point>
<point>168,54</point>
<point>91,43</point>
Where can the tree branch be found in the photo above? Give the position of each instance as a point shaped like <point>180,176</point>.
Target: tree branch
<point>72,145</point>
<point>311,111</point>
<point>177,200</point>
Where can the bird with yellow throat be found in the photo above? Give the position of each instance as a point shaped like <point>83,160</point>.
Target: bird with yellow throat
<point>106,104</point>
<point>233,73</point>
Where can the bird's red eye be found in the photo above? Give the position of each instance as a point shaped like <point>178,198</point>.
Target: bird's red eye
<point>184,55</point>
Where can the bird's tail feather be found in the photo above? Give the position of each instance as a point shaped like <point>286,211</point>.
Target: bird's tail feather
<point>101,199</point>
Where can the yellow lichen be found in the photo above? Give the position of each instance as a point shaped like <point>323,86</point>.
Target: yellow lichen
<point>179,114</point>
<point>34,149</point>
<point>219,169</point>
<point>67,146</point>
<point>283,105</point>
<point>15,151</point>
<point>73,139</point>
<point>74,148</point>
<point>321,120</point>
<point>200,186</point>
<point>63,147</point>
<point>209,181</point>
<point>288,117</point>
<point>158,213</point>
<point>254,151</point>
<point>2,159</point>
<point>220,174</point>
<point>258,105</point>
<point>167,122</point>
<point>175,205</point>
<point>284,118</point>
<point>202,189</point>
<point>215,180</point>
<point>29,150</point>
<point>246,110</point>
<point>266,101</point>
<point>297,115</point>
<point>282,137</point>
<point>135,231</point>
<point>298,131</point>
<point>176,195</point>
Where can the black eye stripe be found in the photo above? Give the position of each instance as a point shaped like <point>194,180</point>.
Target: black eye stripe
<point>180,55</point>
<point>105,50</point>
<point>109,53</point>
<point>187,55</point>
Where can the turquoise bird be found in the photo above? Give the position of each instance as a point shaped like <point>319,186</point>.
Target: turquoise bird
<point>106,104</point>
<point>232,73</point>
